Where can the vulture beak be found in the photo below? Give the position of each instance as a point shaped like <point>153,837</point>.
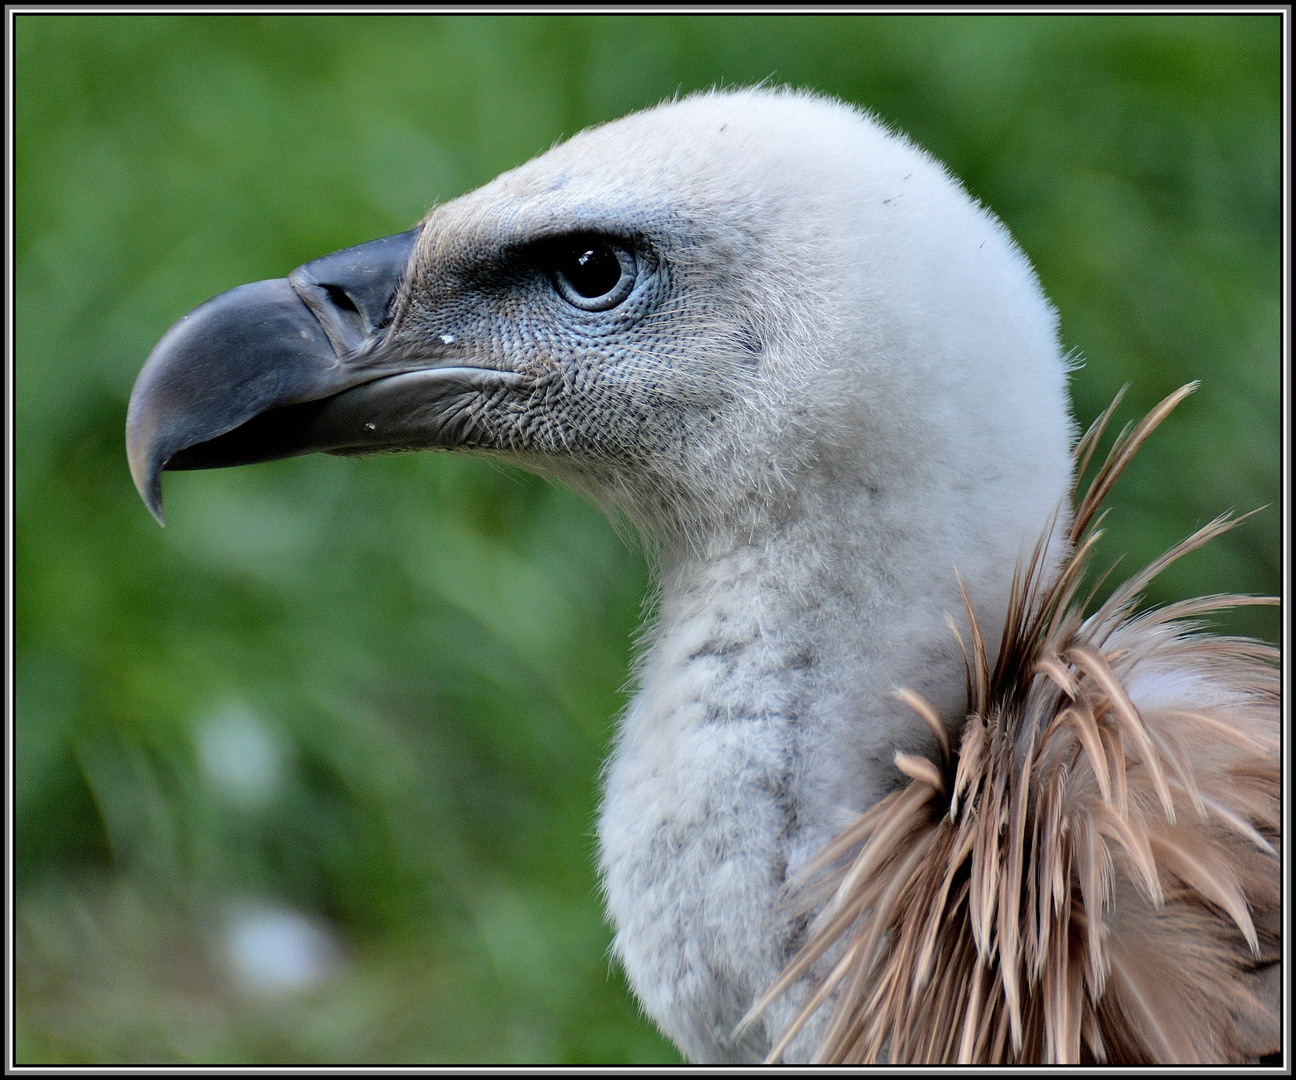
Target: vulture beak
<point>293,366</point>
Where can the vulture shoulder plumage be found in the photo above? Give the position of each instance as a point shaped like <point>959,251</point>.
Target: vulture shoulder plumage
<point>884,793</point>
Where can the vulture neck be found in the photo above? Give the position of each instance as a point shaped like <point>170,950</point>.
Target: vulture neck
<point>764,718</point>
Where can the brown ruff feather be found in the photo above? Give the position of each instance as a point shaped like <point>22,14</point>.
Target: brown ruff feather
<point>1093,876</point>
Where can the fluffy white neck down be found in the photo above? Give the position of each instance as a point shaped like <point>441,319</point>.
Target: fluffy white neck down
<point>765,717</point>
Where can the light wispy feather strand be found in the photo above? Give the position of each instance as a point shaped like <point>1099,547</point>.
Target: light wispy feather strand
<point>1093,873</point>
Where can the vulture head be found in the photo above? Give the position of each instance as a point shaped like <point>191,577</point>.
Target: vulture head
<point>710,316</point>
<point>790,348</point>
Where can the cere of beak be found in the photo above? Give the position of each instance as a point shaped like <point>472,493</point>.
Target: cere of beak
<point>259,347</point>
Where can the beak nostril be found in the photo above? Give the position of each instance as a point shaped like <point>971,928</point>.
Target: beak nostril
<point>341,300</point>
<point>343,319</point>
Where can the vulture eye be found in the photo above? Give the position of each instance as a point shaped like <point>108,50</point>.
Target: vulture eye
<point>594,275</point>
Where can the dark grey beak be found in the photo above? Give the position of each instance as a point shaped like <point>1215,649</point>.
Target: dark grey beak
<point>256,348</point>
<point>293,366</point>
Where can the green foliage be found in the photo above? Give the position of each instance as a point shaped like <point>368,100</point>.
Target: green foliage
<point>378,691</point>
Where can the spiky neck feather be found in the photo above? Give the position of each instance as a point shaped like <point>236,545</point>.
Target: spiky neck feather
<point>1093,876</point>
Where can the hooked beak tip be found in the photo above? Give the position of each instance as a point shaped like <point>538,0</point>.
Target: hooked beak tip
<point>154,502</point>
<point>146,472</point>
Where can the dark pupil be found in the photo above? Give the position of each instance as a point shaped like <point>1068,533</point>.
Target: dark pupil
<point>594,271</point>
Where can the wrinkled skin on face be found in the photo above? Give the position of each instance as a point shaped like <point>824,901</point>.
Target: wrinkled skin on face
<point>628,395</point>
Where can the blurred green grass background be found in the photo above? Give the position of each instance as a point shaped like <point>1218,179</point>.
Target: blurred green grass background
<point>369,698</point>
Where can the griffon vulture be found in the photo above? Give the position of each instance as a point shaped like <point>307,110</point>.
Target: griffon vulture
<point>874,746</point>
